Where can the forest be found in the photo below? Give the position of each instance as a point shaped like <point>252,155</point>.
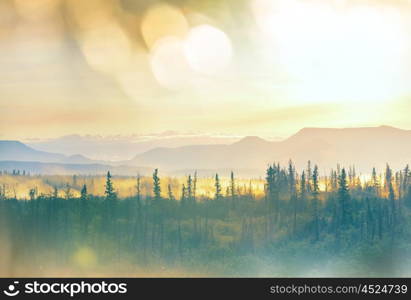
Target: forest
<point>289,223</point>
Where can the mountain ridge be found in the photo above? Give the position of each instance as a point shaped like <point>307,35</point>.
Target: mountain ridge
<point>365,147</point>
<point>13,150</point>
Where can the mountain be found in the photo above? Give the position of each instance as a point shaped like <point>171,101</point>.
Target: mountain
<point>14,150</point>
<point>17,151</point>
<point>123,147</point>
<point>363,147</point>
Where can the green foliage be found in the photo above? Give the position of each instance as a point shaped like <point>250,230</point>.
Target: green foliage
<point>156,185</point>
<point>296,229</point>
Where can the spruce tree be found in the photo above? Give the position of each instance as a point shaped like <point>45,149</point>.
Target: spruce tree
<point>375,182</point>
<point>189,189</point>
<point>293,193</point>
<point>183,199</point>
<point>109,192</point>
<point>110,206</point>
<point>217,188</point>
<point>83,208</point>
<point>195,187</point>
<point>343,197</point>
<point>232,189</point>
<point>315,194</point>
<point>156,186</point>
<point>170,193</point>
<point>83,193</point>
<point>309,176</point>
<point>303,189</point>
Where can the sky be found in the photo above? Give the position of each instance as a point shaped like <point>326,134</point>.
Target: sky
<point>233,67</point>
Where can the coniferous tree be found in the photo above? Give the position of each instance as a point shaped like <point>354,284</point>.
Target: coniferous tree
<point>189,189</point>
<point>195,187</point>
<point>406,185</point>
<point>303,190</point>
<point>67,192</point>
<point>138,188</point>
<point>110,206</point>
<point>83,209</point>
<point>388,178</point>
<point>375,182</point>
<point>170,193</point>
<point>391,198</point>
<point>183,195</point>
<point>139,222</point>
<point>315,194</point>
<point>389,190</point>
<point>217,186</point>
<point>293,193</point>
<point>156,186</point>
<point>343,197</point>
<point>55,192</point>
<point>232,189</point>
<point>83,193</point>
<point>309,176</point>
<point>109,192</point>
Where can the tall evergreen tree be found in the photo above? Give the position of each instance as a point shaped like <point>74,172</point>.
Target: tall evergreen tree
<point>138,190</point>
<point>67,192</point>
<point>55,192</point>
<point>189,189</point>
<point>388,178</point>
<point>170,192</point>
<point>83,193</point>
<point>156,186</point>
<point>110,212</point>
<point>309,176</point>
<point>109,192</point>
<point>195,187</point>
<point>343,197</point>
<point>217,186</point>
<point>375,182</point>
<point>293,193</point>
<point>232,189</point>
<point>84,208</point>
<point>303,189</point>
<point>183,199</point>
<point>315,194</point>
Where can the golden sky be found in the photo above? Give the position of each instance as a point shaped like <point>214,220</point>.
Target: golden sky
<point>244,67</point>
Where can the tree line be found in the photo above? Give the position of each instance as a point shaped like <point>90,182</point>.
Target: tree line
<point>336,214</point>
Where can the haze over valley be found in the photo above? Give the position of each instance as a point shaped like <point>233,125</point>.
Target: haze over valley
<point>364,148</point>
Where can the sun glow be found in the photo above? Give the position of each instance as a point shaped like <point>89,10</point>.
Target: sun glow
<point>335,53</point>
<point>208,49</point>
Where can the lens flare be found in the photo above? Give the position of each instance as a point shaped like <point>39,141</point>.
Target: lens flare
<point>163,20</point>
<point>208,49</point>
<point>169,65</point>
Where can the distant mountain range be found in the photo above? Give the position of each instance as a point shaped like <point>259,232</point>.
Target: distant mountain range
<point>15,155</point>
<point>123,147</point>
<point>17,151</point>
<point>363,147</point>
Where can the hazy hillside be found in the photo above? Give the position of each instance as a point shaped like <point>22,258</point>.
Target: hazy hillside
<point>123,147</point>
<point>17,151</point>
<point>248,153</point>
<point>14,150</point>
<point>364,147</point>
